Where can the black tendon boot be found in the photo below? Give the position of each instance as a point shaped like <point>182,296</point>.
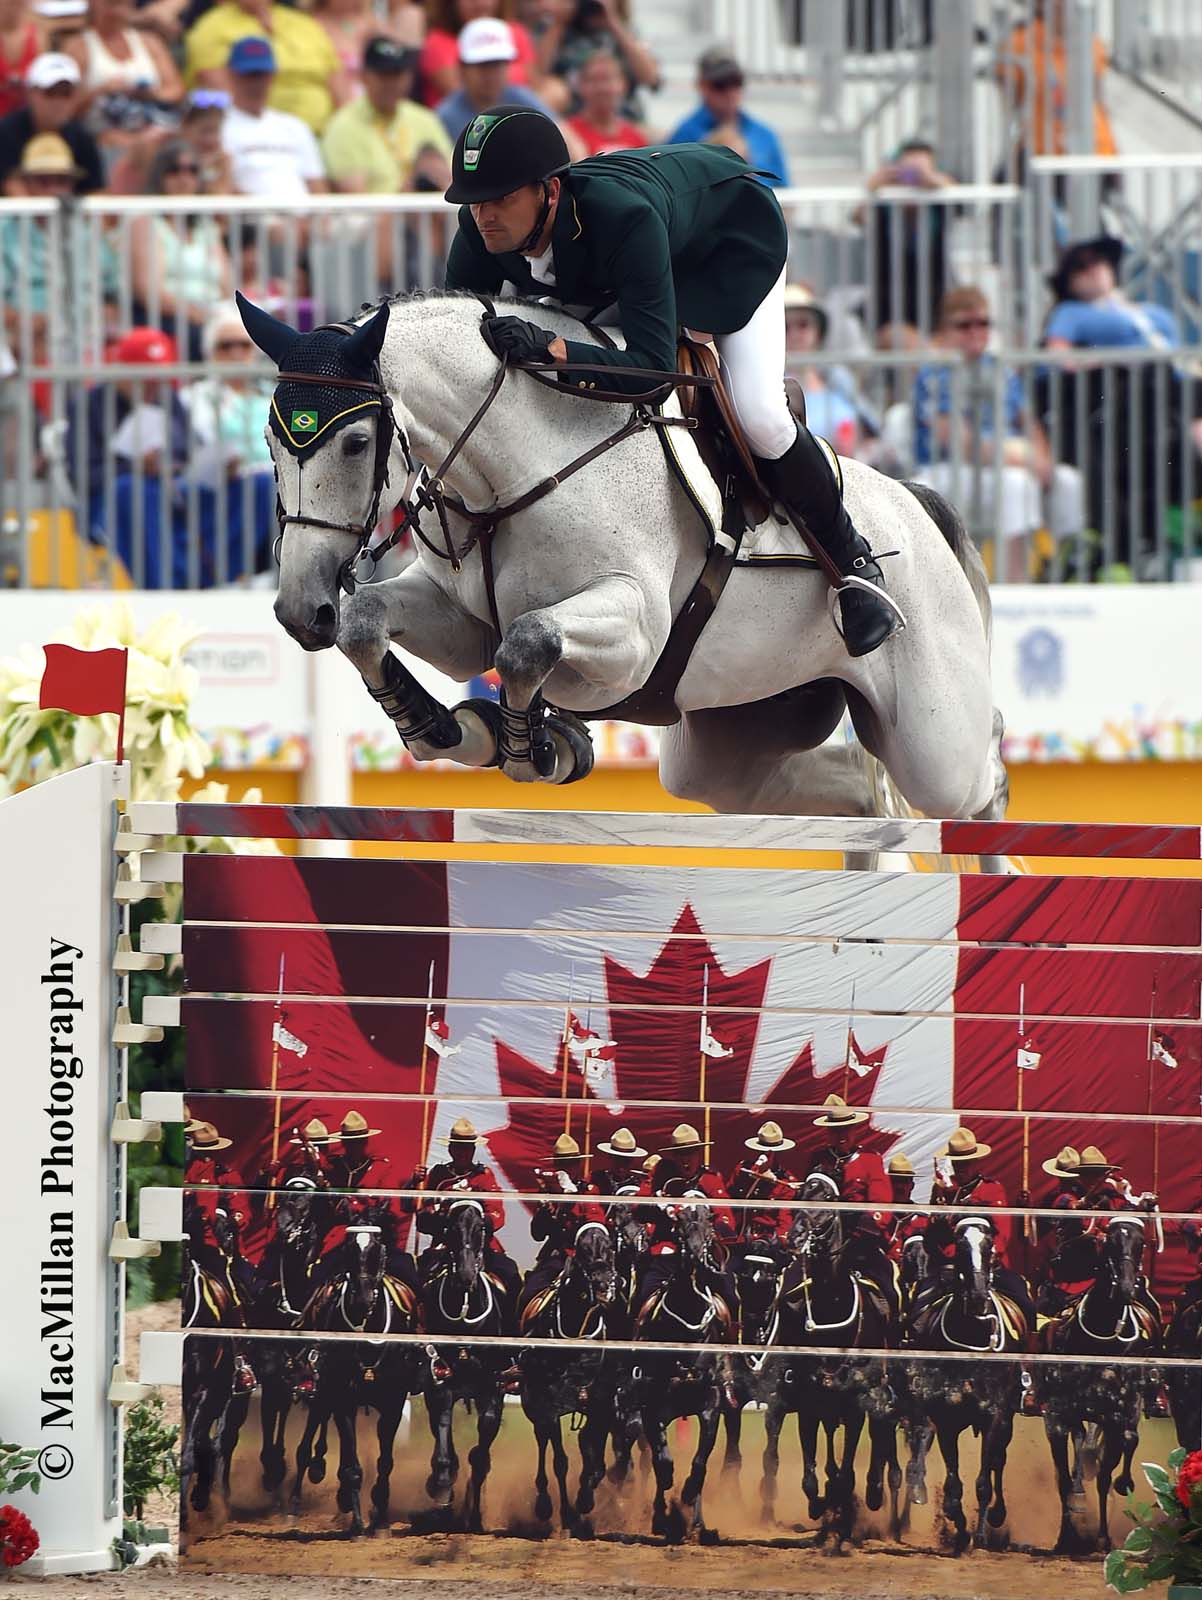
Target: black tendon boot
<point>805,481</point>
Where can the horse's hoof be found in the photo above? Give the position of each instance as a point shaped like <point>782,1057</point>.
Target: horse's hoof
<point>817,1509</point>
<point>874,1494</point>
<point>317,1469</point>
<point>574,733</point>
<point>996,1515</point>
<point>542,1507</point>
<point>675,1525</point>
<point>1124,1484</point>
<point>582,1528</point>
<point>708,1536</point>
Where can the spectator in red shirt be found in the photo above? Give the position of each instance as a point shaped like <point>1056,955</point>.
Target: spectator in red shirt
<point>601,87</point>
<point>21,42</point>
<point>440,53</point>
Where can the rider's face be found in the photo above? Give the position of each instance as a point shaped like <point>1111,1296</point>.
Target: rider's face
<point>506,223</point>
<point>841,1139</point>
<point>462,1156</point>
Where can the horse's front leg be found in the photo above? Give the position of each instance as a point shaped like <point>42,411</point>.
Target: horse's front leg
<point>807,1432</point>
<point>593,1435</point>
<point>709,1421</point>
<point>559,1460</point>
<point>774,1421</point>
<point>542,1497</point>
<point>480,1457</point>
<point>947,1427</point>
<point>599,639</point>
<point>732,1416</point>
<point>1058,1444</point>
<point>424,620</point>
<point>845,1479</point>
<point>655,1433</point>
<point>440,1404</point>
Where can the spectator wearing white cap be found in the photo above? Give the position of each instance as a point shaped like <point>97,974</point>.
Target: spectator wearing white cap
<point>487,52</point>
<point>439,66</point>
<point>53,100</point>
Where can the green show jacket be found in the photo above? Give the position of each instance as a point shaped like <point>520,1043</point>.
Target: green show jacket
<point>677,235</point>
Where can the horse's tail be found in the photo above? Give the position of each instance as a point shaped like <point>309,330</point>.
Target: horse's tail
<point>887,800</point>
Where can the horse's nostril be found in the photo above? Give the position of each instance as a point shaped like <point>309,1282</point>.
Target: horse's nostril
<point>325,619</point>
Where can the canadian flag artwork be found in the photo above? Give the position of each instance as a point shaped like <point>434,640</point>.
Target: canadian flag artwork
<point>625,991</point>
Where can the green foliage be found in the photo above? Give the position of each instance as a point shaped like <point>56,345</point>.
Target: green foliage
<point>17,1470</point>
<point>1166,1541</point>
<point>151,1454</point>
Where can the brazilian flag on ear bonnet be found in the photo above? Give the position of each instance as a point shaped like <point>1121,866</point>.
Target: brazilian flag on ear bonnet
<point>304,413</point>
<point>505,149</point>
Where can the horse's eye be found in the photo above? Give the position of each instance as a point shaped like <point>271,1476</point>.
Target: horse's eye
<point>354,444</point>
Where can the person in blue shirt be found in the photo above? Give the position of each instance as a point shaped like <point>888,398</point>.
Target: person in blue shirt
<point>1005,479</point>
<point>1091,311</point>
<point>720,119</point>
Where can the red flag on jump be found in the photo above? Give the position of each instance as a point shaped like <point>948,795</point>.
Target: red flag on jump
<point>86,682</point>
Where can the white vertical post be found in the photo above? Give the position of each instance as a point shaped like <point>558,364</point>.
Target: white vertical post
<point>326,778</point>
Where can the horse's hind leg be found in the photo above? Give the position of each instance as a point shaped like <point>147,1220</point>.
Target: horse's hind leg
<point>605,635</point>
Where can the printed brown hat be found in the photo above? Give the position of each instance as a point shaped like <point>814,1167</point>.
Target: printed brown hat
<point>1092,1160</point>
<point>315,1132</point>
<point>624,1145</point>
<point>462,1132</point>
<point>839,1114</point>
<point>354,1126</point>
<point>770,1139</point>
<point>684,1137</point>
<point>204,1136</point>
<point>900,1166</point>
<point>566,1149</point>
<point>1066,1164</point>
<point>963,1146</point>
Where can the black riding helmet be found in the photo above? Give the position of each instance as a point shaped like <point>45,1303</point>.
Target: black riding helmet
<point>504,149</point>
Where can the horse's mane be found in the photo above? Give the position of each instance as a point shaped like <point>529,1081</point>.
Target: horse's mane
<point>453,301</point>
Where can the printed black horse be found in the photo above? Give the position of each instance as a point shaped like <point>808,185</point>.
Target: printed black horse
<point>582,1303</point>
<point>360,1296</point>
<point>1112,1318</point>
<point>462,1298</point>
<point>825,1302</point>
<point>685,1299</point>
<point>1184,1340</point>
<point>969,1316</point>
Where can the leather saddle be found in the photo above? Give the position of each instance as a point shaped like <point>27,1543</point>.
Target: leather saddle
<point>720,438</point>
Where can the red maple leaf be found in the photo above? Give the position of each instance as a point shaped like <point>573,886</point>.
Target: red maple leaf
<point>657,1056</point>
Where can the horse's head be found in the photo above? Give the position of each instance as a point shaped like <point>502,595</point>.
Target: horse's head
<point>817,1229</point>
<point>1122,1254</point>
<point>974,1264</point>
<point>758,1276</point>
<point>694,1226</point>
<point>594,1261</point>
<point>331,433</point>
<point>294,1223</point>
<point>466,1239</point>
<point>367,1260</point>
<point>226,1231</point>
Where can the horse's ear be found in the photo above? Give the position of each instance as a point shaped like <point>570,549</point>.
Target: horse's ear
<point>273,337</point>
<point>363,346</point>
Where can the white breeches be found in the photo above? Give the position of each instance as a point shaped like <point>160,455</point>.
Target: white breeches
<point>753,359</point>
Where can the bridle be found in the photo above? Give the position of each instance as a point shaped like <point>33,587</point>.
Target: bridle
<point>425,490</point>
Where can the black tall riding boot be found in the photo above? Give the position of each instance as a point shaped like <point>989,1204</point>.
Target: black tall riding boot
<point>805,483</point>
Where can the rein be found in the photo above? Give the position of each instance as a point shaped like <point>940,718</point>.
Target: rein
<point>425,490</point>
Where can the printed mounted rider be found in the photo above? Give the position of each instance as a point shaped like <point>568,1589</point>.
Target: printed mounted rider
<point>463,1174</point>
<point>623,1173</point>
<point>970,1185</point>
<point>203,1165</point>
<point>673,235</point>
<point>1100,1187</point>
<point>860,1175</point>
<point>765,1178</point>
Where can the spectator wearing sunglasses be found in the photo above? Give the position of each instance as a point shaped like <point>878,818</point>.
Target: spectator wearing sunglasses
<point>52,87</point>
<point>721,119</point>
<point>1005,476</point>
<point>178,261</point>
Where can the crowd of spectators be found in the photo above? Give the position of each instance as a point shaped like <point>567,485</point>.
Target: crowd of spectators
<point>279,101</point>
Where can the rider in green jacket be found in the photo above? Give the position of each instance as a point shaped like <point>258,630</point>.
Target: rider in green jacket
<point>675,236</point>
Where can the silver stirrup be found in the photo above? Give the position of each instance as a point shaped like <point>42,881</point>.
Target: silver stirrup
<point>853,582</point>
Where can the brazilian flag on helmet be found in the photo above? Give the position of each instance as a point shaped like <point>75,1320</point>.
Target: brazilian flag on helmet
<point>504,149</point>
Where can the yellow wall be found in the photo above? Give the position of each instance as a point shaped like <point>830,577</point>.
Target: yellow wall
<point>1089,792</point>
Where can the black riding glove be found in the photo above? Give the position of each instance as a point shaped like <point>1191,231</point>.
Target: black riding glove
<point>513,338</point>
